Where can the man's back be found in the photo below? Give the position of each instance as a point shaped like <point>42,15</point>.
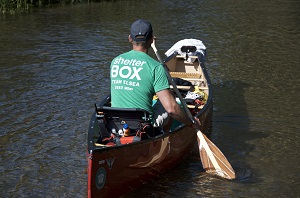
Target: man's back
<point>135,78</point>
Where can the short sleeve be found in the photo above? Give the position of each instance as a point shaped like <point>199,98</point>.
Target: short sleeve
<point>160,79</point>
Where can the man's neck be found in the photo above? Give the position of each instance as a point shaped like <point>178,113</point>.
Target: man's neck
<point>140,48</point>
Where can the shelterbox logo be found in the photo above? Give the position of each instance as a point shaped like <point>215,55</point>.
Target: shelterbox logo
<point>125,72</point>
<point>127,68</point>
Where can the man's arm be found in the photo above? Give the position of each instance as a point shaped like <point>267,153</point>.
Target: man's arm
<point>172,107</point>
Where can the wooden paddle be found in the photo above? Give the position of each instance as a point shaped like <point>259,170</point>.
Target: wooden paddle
<point>213,160</point>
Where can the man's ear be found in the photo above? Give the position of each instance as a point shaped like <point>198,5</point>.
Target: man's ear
<point>152,38</point>
<point>129,38</point>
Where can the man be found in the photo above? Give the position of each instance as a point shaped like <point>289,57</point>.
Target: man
<point>136,78</point>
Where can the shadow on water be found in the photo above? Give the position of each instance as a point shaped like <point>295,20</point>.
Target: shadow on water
<point>232,128</point>
<point>232,134</point>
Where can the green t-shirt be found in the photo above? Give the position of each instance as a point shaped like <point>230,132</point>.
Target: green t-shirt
<point>135,78</point>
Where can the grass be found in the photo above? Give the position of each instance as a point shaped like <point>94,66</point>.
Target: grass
<point>19,6</point>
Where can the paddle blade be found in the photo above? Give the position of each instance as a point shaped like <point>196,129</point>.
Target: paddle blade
<point>212,158</point>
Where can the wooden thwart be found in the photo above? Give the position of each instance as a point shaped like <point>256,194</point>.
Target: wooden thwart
<point>185,75</point>
<point>182,87</point>
<point>179,56</point>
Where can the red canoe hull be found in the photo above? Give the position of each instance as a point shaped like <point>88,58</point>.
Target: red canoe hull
<point>114,171</point>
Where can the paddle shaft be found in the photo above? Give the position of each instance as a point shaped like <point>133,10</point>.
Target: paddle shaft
<point>187,111</point>
<point>203,141</point>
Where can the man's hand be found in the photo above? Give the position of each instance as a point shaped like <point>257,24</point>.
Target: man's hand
<point>197,124</point>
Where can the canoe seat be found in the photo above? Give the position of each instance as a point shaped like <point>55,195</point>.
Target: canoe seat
<point>188,49</point>
<point>111,120</point>
<point>130,113</point>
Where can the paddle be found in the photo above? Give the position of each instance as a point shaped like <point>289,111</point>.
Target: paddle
<point>213,160</point>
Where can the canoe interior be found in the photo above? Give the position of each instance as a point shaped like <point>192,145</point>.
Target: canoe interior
<point>191,70</point>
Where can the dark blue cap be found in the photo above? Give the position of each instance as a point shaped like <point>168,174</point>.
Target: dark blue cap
<point>141,30</point>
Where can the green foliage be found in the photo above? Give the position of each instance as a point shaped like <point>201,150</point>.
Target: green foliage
<point>13,6</point>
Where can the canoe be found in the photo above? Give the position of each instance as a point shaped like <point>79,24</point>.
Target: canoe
<point>119,163</point>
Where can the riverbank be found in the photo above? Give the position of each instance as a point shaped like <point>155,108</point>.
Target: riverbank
<point>24,6</point>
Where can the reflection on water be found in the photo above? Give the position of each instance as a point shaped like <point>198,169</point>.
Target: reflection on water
<point>54,67</point>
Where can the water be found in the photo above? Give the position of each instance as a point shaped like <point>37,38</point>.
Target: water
<point>54,67</point>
